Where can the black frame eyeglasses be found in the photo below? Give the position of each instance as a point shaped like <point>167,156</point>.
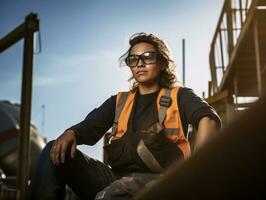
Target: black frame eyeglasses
<point>148,57</point>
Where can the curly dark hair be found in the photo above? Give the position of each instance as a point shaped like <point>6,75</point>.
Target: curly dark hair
<point>167,77</point>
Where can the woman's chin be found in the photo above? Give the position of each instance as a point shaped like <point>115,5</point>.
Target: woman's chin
<point>147,83</point>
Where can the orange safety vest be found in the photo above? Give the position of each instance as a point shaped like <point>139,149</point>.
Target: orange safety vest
<point>172,125</point>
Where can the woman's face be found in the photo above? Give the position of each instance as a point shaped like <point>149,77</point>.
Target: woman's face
<point>145,74</point>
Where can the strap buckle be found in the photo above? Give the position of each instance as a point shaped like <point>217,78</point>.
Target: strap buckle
<point>165,101</point>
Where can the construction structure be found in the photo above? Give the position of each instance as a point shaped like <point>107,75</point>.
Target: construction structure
<point>237,61</point>
<point>26,32</point>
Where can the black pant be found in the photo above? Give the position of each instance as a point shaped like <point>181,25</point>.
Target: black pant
<point>84,175</point>
<point>87,177</point>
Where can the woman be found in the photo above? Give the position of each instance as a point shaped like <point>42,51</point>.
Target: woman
<point>149,132</point>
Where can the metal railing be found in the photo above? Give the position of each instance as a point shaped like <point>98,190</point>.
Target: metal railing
<point>231,21</point>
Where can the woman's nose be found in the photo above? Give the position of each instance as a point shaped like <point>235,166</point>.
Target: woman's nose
<point>140,63</point>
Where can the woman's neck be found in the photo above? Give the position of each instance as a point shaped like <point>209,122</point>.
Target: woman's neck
<point>146,89</point>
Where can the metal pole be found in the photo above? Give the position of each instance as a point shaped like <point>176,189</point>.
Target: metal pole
<point>184,64</point>
<point>222,52</point>
<point>213,70</point>
<point>229,21</point>
<point>235,82</point>
<point>241,13</point>
<point>43,118</point>
<point>257,54</point>
<point>31,25</point>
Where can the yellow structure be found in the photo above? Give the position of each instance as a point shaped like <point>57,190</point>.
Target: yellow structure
<point>237,56</point>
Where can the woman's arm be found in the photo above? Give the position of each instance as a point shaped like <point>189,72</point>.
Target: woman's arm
<point>197,112</point>
<point>207,128</point>
<point>192,109</point>
<point>96,124</point>
<point>89,131</point>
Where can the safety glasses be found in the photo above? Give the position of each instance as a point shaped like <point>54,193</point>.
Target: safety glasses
<point>149,57</point>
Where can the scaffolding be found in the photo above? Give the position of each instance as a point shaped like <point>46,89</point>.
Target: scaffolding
<point>236,58</point>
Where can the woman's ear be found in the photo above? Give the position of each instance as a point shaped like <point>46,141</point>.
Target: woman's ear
<point>162,67</point>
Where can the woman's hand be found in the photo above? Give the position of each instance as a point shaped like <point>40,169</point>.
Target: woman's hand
<point>61,144</point>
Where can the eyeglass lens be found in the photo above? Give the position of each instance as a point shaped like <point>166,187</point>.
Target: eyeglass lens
<point>146,57</point>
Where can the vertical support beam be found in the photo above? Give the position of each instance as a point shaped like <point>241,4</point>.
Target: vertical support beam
<point>263,77</point>
<point>31,25</point>
<point>229,109</point>
<point>210,87</point>
<point>222,52</point>
<point>229,24</point>
<point>257,54</point>
<point>241,12</point>
<point>184,61</point>
<point>236,89</point>
<point>213,70</point>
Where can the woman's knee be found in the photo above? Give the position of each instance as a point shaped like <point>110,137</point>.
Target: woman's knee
<point>46,150</point>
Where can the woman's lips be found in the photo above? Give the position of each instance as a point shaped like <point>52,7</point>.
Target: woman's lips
<point>141,72</point>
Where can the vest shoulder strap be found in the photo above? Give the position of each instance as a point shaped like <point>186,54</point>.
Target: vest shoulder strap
<point>120,102</point>
<point>165,102</point>
<point>167,98</point>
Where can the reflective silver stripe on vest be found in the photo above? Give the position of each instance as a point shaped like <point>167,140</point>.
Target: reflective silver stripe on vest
<point>148,158</point>
<point>171,131</point>
<point>118,109</point>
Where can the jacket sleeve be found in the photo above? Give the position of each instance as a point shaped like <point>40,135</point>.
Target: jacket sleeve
<point>193,109</point>
<point>96,124</point>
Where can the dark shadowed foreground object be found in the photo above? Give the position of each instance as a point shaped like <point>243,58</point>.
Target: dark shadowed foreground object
<point>232,166</point>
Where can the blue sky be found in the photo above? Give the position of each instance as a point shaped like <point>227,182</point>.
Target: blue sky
<point>81,42</point>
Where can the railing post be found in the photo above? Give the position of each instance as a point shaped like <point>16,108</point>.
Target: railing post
<point>236,91</point>
<point>257,56</point>
<point>213,70</point>
<point>210,88</point>
<point>222,52</point>
<point>31,25</point>
<point>241,13</point>
<point>229,23</point>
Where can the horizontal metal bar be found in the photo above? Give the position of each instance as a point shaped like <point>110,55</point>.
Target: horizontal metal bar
<point>18,33</point>
<point>12,37</point>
